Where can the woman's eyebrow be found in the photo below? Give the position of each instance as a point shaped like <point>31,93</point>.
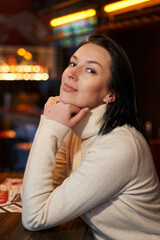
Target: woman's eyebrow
<point>73,56</point>
<point>95,62</point>
<point>89,61</point>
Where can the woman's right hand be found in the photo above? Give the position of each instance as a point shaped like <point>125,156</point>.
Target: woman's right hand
<point>66,114</point>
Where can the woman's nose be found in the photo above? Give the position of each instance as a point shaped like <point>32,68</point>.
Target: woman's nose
<point>73,73</point>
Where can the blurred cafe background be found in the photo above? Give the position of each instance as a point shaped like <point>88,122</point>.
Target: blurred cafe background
<point>37,38</point>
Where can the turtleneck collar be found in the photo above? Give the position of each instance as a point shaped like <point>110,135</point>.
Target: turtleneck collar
<point>90,124</point>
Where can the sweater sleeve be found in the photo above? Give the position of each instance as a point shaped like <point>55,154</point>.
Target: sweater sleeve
<point>101,175</point>
<point>41,163</point>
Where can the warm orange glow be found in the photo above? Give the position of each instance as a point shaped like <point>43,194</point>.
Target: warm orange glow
<point>7,134</point>
<point>23,72</point>
<point>12,68</point>
<point>27,68</point>
<point>5,68</point>
<point>26,146</point>
<point>73,17</point>
<point>28,56</point>
<point>24,76</point>
<point>36,69</point>
<point>21,51</point>
<point>123,4</point>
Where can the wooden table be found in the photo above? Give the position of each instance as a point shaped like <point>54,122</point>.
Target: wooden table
<point>11,227</point>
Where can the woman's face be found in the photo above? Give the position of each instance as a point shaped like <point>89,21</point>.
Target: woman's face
<point>85,80</point>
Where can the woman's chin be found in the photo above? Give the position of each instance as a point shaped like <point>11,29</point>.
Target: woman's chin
<point>69,101</point>
<point>66,100</point>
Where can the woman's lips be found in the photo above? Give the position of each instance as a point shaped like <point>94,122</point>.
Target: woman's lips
<point>68,88</point>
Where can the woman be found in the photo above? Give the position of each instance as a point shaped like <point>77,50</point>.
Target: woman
<point>91,141</point>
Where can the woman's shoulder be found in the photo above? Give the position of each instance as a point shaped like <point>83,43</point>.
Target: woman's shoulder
<point>124,138</point>
<point>118,132</point>
<point>125,133</point>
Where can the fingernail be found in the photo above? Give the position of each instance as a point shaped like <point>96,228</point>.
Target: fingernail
<point>86,109</point>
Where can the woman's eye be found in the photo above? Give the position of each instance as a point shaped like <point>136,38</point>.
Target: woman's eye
<point>72,64</point>
<point>91,70</point>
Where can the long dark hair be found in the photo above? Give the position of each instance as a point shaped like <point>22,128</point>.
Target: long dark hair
<point>124,109</point>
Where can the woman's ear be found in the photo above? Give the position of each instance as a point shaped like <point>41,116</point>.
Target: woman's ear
<point>109,98</point>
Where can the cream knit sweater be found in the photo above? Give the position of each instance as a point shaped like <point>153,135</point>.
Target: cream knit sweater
<point>110,180</point>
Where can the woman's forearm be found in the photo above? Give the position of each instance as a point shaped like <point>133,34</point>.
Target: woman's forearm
<point>38,177</point>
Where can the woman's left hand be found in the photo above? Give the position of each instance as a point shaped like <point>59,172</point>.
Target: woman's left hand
<point>66,114</point>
